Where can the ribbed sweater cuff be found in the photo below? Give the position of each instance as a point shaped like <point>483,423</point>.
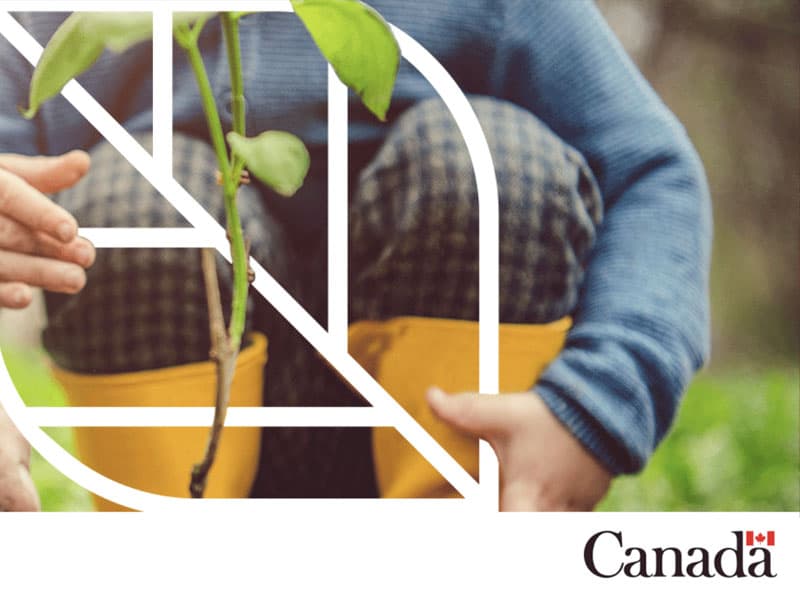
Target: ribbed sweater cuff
<point>622,444</point>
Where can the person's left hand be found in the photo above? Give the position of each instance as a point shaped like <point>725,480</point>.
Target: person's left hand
<point>543,467</point>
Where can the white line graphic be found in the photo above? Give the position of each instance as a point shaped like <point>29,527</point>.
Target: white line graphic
<point>338,275</point>
<point>279,416</point>
<point>147,237</point>
<point>209,233</point>
<point>162,90</point>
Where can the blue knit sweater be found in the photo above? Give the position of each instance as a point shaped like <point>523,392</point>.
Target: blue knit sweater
<point>641,327</point>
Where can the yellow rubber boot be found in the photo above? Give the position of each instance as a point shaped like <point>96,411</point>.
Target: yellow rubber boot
<point>407,355</point>
<point>160,460</point>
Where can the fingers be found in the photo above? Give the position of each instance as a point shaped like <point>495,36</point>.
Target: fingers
<point>27,206</point>
<point>50,274</point>
<point>38,239</point>
<point>16,237</point>
<point>48,174</point>
<point>17,491</point>
<point>15,295</point>
<point>480,415</point>
<point>543,467</point>
<point>518,496</point>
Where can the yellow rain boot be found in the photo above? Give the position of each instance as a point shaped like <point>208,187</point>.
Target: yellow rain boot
<point>407,355</point>
<point>160,460</point>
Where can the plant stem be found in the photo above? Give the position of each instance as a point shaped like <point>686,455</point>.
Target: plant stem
<point>225,347</point>
<point>224,355</point>
<point>209,104</point>
<point>230,28</point>
<point>231,31</point>
<point>230,180</point>
<point>241,281</point>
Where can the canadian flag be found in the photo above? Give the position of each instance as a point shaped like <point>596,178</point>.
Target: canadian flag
<point>752,538</point>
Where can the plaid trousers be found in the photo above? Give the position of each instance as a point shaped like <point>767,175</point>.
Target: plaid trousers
<point>413,251</point>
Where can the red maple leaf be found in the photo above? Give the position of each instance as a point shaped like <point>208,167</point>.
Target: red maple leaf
<point>760,538</point>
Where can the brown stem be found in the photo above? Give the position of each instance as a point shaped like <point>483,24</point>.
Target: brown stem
<point>224,355</point>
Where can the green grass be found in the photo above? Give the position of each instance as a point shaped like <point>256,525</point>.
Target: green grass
<point>32,379</point>
<point>735,446</point>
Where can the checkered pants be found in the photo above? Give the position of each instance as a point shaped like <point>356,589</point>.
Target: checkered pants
<point>414,251</point>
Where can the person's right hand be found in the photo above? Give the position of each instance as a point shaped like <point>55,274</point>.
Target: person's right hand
<point>39,246</point>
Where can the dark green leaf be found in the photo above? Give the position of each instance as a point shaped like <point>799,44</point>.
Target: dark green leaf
<point>78,43</point>
<point>359,45</point>
<point>279,159</point>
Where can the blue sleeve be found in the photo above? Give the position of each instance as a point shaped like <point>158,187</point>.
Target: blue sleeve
<point>641,328</point>
<point>16,134</point>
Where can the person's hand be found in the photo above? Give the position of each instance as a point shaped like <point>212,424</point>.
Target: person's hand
<point>17,492</point>
<point>39,246</point>
<point>543,467</point>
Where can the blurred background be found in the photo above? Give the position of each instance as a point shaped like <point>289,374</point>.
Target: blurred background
<point>730,70</point>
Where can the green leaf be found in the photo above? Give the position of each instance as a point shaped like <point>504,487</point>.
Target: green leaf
<point>278,159</point>
<point>359,45</point>
<point>78,43</point>
<point>115,31</point>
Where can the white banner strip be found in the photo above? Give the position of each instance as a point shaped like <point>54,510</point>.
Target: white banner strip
<point>279,416</point>
<point>384,549</point>
<point>147,237</point>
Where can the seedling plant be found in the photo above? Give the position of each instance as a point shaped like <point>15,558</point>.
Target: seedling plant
<point>352,37</point>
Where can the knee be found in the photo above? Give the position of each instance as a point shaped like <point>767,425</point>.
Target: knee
<point>420,189</point>
<point>142,308</point>
<point>424,161</point>
<point>115,194</point>
<point>550,207</point>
